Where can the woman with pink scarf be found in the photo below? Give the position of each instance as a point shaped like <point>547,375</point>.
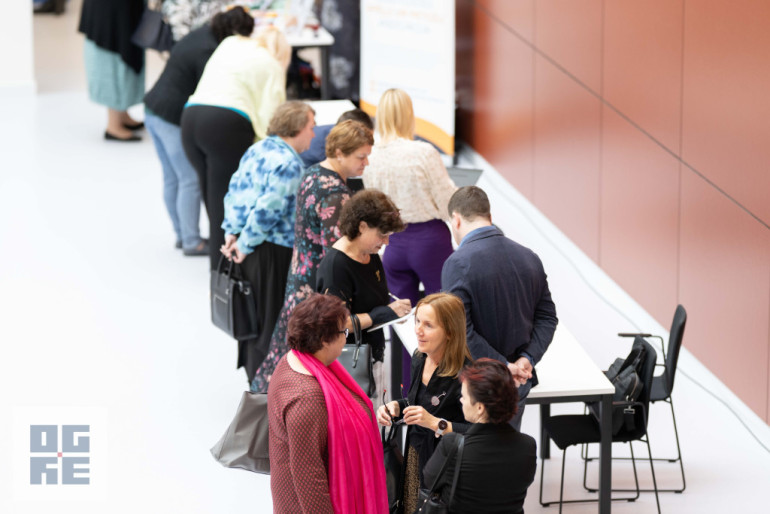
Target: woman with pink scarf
<point>325,449</point>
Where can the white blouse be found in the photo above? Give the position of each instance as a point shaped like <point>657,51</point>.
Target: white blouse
<point>412,174</point>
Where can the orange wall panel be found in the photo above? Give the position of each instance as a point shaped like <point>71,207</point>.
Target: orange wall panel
<point>503,103</point>
<point>567,132</point>
<point>725,287</point>
<point>570,33</point>
<point>640,216</point>
<point>643,65</point>
<point>519,15</point>
<point>726,105</point>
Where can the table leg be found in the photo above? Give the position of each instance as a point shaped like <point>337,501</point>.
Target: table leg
<point>605,456</point>
<point>545,441</point>
<point>325,92</point>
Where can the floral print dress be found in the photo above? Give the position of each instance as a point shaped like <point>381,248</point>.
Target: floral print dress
<point>320,196</point>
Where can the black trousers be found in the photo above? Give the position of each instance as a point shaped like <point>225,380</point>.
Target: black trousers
<point>267,268</point>
<point>215,139</point>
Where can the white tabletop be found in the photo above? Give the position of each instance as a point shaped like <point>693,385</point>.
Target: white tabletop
<point>565,370</point>
<point>308,38</point>
<point>328,111</point>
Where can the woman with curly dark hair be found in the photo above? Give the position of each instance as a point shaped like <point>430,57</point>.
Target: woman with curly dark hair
<point>352,269</point>
<point>498,463</point>
<point>325,451</point>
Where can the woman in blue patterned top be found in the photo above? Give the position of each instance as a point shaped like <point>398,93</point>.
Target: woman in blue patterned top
<point>319,199</point>
<point>259,218</point>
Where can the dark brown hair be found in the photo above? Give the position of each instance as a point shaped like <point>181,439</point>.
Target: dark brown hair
<point>357,115</point>
<point>470,202</point>
<point>450,314</point>
<point>315,321</point>
<point>347,137</point>
<point>374,208</point>
<point>289,119</point>
<point>490,382</point>
<point>232,21</point>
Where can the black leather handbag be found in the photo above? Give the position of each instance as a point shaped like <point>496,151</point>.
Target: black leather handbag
<point>429,500</point>
<point>356,358</point>
<point>153,32</point>
<point>233,307</point>
<point>394,466</point>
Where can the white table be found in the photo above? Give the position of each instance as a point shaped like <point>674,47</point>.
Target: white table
<point>328,111</point>
<point>565,374</point>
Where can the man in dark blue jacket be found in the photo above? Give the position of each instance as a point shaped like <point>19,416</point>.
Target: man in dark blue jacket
<point>509,313</point>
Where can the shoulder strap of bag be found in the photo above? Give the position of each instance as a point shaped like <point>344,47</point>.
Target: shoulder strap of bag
<point>455,449</point>
<point>460,445</point>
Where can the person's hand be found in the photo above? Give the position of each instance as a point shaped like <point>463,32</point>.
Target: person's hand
<point>239,255</point>
<point>385,413</point>
<point>417,415</point>
<point>227,249</point>
<point>521,370</point>
<point>401,307</point>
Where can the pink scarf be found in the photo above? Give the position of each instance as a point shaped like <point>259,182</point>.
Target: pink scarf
<point>356,467</point>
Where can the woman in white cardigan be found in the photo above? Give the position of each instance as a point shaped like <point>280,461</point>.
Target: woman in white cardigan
<point>413,175</point>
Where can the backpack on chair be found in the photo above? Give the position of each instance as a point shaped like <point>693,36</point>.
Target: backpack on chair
<point>625,376</point>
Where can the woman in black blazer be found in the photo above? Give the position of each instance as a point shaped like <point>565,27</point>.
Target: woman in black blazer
<point>498,462</point>
<point>432,407</point>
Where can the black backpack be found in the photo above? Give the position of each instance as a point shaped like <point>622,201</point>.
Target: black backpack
<point>625,375</point>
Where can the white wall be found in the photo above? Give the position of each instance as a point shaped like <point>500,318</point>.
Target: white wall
<point>17,65</point>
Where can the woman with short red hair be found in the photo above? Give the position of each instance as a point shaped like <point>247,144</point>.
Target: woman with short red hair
<point>498,462</point>
<point>325,450</point>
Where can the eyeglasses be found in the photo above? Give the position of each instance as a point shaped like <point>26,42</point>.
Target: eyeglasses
<point>346,332</point>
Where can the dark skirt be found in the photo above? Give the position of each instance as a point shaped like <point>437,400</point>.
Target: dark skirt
<point>266,268</point>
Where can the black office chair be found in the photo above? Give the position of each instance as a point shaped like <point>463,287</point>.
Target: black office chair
<point>573,429</point>
<point>662,385</point>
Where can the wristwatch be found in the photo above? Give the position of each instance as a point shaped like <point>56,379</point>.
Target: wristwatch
<point>442,425</point>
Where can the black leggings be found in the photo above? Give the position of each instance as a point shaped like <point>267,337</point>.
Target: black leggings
<point>215,139</point>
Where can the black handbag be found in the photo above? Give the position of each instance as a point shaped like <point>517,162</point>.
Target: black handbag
<point>356,358</point>
<point>153,32</point>
<point>245,444</point>
<point>394,467</point>
<point>233,307</point>
<point>429,500</point>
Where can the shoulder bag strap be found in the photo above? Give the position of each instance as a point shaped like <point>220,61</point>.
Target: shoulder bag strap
<point>459,461</point>
<point>444,466</point>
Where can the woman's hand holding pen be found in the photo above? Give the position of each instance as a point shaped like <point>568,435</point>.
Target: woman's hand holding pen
<point>400,307</point>
<point>387,412</point>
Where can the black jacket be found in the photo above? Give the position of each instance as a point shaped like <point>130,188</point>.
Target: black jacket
<point>449,408</point>
<point>498,466</point>
<point>110,25</point>
<point>181,75</point>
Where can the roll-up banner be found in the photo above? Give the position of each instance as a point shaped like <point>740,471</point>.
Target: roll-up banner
<point>410,44</point>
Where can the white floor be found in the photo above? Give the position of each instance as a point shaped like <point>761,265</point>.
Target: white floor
<point>104,322</point>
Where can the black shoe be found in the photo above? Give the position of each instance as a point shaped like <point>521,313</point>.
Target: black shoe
<point>110,137</point>
<point>201,249</point>
<point>137,126</point>
<point>178,245</point>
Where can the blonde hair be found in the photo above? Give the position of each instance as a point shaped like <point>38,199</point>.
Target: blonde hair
<point>395,115</point>
<point>274,41</point>
<point>450,314</point>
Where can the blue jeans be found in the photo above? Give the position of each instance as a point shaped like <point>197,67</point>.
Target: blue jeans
<point>181,191</point>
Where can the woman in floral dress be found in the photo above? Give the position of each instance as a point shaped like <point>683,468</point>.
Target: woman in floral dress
<point>320,196</point>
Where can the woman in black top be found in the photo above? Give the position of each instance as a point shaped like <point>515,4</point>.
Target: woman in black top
<point>352,269</point>
<point>163,114</point>
<point>498,463</point>
<point>432,408</point>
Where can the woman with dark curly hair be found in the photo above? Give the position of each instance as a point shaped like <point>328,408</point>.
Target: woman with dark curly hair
<point>498,462</point>
<point>352,269</point>
<point>321,194</point>
<point>325,451</point>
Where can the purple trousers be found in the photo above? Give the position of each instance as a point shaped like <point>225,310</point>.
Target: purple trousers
<point>417,255</point>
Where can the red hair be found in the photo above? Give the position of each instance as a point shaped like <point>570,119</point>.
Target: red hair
<point>490,382</point>
<point>314,322</point>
